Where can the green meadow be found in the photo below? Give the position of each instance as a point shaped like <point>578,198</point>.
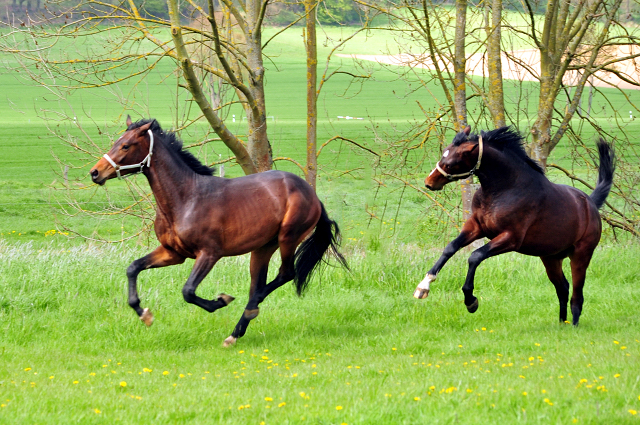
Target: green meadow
<point>357,348</point>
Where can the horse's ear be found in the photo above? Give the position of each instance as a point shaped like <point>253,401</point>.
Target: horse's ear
<point>129,122</point>
<point>146,126</point>
<point>467,130</point>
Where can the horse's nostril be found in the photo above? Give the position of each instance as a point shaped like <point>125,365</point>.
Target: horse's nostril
<point>94,173</point>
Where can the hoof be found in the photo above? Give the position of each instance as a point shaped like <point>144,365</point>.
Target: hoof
<point>473,307</point>
<point>229,341</point>
<point>421,293</point>
<point>226,298</point>
<point>251,314</point>
<point>147,317</point>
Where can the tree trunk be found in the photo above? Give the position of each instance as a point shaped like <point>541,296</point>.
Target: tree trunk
<point>494,37</point>
<point>311,171</point>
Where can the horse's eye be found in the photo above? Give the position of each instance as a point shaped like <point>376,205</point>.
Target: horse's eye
<point>125,147</point>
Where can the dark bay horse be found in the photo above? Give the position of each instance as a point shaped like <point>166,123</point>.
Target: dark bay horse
<point>520,210</point>
<point>206,218</point>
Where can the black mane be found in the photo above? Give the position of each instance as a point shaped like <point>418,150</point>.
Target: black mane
<point>505,139</point>
<point>174,144</point>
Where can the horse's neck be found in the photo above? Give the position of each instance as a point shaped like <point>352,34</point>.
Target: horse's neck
<point>500,173</point>
<point>169,180</point>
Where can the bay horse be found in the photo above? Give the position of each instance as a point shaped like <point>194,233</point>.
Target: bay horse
<point>520,210</point>
<point>204,217</point>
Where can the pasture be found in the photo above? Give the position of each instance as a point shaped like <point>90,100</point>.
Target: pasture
<point>357,349</point>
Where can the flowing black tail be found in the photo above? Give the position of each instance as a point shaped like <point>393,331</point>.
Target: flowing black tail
<point>325,237</point>
<point>605,173</point>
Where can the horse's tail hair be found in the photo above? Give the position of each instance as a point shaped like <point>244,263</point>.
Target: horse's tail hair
<point>605,173</point>
<point>326,237</point>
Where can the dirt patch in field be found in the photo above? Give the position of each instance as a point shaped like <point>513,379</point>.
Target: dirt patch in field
<point>524,65</point>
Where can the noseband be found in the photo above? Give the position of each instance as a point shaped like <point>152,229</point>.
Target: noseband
<point>468,173</point>
<point>146,161</point>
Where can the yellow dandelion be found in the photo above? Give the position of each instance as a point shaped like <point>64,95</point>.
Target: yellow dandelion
<point>338,407</point>
<point>97,411</point>
<point>268,399</point>
<point>416,398</point>
<point>282,404</point>
<point>166,372</point>
<point>617,375</point>
<point>524,393</point>
<point>123,384</point>
<point>27,369</point>
<point>75,382</point>
<point>633,412</point>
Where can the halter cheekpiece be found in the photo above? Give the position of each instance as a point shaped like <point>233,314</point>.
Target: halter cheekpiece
<point>468,173</point>
<point>146,161</point>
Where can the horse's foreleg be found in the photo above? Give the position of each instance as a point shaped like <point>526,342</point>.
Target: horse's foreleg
<point>160,257</point>
<point>203,265</point>
<point>556,276</point>
<point>470,232</point>
<point>260,292</point>
<point>502,243</point>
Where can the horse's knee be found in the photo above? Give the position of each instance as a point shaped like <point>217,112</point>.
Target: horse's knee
<point>134,269</point>
<point>475,259</point>
<point>189,294</point>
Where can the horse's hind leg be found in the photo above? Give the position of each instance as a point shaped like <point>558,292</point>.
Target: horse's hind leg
<point>580,260</point>
<point>556,276</point>
<point>160,257</point>
<point>260,292</point>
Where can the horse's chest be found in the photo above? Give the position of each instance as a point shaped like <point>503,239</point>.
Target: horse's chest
<point>169,237</point>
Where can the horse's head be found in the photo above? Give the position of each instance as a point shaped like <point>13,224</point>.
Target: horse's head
<point>460,160</point>
<point>128,155</point>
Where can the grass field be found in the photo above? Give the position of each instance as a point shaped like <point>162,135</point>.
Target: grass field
<point>357,349</point>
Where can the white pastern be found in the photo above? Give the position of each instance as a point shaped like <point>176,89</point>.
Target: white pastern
<point>426,282</point>
<point>422,291</point>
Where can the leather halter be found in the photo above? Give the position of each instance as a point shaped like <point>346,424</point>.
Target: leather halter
<point>146,161</point>
<point>468,173</point>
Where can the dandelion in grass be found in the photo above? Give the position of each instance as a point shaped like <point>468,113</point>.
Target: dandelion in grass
<point>123,384</point>
<point>282,404</point>
<point>181,376</point>
<point>165,373</point>
<point>27,369</point>
<point>98,411</point>
<point>338,407</point>
<point>617,375</point>
<point>416,398</point>
<point>633,412</point>
<point>268,399</point>
<point>524,393</point>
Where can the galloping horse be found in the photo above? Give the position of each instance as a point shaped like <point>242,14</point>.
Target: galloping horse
<point>520,210</point>
<point>206,218</point>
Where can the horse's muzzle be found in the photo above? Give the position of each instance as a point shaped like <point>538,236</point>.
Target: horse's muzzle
<point>95,177</point>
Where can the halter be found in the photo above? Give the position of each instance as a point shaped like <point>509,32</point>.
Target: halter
<point>468,173</point>
<point>146,161</point>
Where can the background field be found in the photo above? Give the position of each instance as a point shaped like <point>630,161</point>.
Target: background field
<point>356,349</point>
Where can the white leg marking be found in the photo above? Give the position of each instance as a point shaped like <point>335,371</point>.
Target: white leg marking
<point>422,291</point>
